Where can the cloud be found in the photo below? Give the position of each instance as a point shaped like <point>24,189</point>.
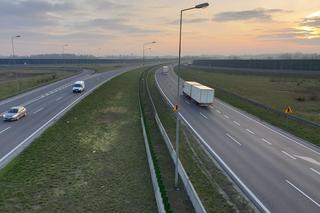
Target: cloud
<point>191,21</point>
<point>24,14</point>
<point>306,31</point>
<point>311,22</point>
<point>256,14</point>
<point>108,5</point>
<point>116,24</point>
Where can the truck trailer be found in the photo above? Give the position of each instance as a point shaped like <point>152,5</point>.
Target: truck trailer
<point>165,70</point>
<point>201,94</point>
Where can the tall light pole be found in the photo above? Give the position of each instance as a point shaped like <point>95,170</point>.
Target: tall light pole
<point>13,58</point>
<point>176,179</point>
<point>143,50</point>
<point>65,45</point>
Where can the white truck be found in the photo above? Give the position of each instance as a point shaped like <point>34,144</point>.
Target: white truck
<point>78,87</point>
<point>201,94</point>
<point>165,70</point>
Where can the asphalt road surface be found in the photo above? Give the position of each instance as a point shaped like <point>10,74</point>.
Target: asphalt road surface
<point>44,105</point>
<point>279,172</point>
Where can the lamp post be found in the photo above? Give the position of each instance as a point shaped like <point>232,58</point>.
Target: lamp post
<point>13,58</point>
<point>65,45</point>
<point>176,179</point>
<point>143,49</point>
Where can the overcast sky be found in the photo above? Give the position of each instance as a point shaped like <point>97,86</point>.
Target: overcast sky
<point>105,27</point>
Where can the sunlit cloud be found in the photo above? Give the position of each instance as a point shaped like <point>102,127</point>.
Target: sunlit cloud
<point>259,14</point>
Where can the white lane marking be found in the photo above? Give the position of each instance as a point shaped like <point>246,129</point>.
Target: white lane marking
<point>227,134</point>
<point>38,110</point>
<point>264,140</point>
<point>304,194</point>
<point>187,102</point>
<point>218,111</point>
<point>203,115</point>
<point>219,159</point>
<point>211,107</point>
<point>287,154</point>
<point>226,116</point>
<point>250,131</point>
<point>315,171</point>
<point>2,131</point>
<point>279,133</point>
<point>310,160</point>
<point>236,123</point>
<point>58,99</point>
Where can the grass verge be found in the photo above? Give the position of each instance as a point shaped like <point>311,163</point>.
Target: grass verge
<point>225,81</point>
<point>178,199</point>
<point>216,192</point>
<point>105,67</point>
<point>27,80</point>
<point>92,160</point>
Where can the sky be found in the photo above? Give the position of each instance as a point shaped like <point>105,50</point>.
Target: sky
<point>114,27</point>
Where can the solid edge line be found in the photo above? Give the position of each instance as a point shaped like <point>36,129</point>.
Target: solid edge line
<point>235,177</point>
<point>304,194</point>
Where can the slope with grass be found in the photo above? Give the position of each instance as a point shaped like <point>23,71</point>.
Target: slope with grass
<point>14,80</point>
<point>91,160</point>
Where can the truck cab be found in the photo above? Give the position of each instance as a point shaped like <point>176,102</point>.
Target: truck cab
<point>78,87</point>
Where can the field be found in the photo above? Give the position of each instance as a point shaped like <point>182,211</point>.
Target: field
<point>14,80</point>
<point>104,67</point>
<point>98,165</point>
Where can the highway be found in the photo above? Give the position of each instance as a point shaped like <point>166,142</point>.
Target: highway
<point>45,105</point>
<point>276,170</point>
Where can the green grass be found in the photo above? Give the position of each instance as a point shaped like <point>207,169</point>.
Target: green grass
<point>272,90</point>
<point>214,189</point>
<point>178,199</point>
<point>27,79</point>
<point>92,160</point>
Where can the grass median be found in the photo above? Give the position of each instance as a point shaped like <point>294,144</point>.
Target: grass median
<point>92,160</point>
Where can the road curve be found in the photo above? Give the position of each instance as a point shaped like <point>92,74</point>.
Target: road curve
<point>279,172</point>
<point>45,105</point>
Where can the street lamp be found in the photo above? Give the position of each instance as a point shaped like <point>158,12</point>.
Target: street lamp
<point>176,180</point>
<point>13,58</point>
<point>143,49</point>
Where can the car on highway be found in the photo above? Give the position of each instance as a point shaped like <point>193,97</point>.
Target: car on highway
<point>78,86</point>
<point>14,113</point>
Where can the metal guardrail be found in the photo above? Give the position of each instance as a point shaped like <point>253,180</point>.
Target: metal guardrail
<point>193,196</point>
<point>154,179</point>
<point>155,185</point>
